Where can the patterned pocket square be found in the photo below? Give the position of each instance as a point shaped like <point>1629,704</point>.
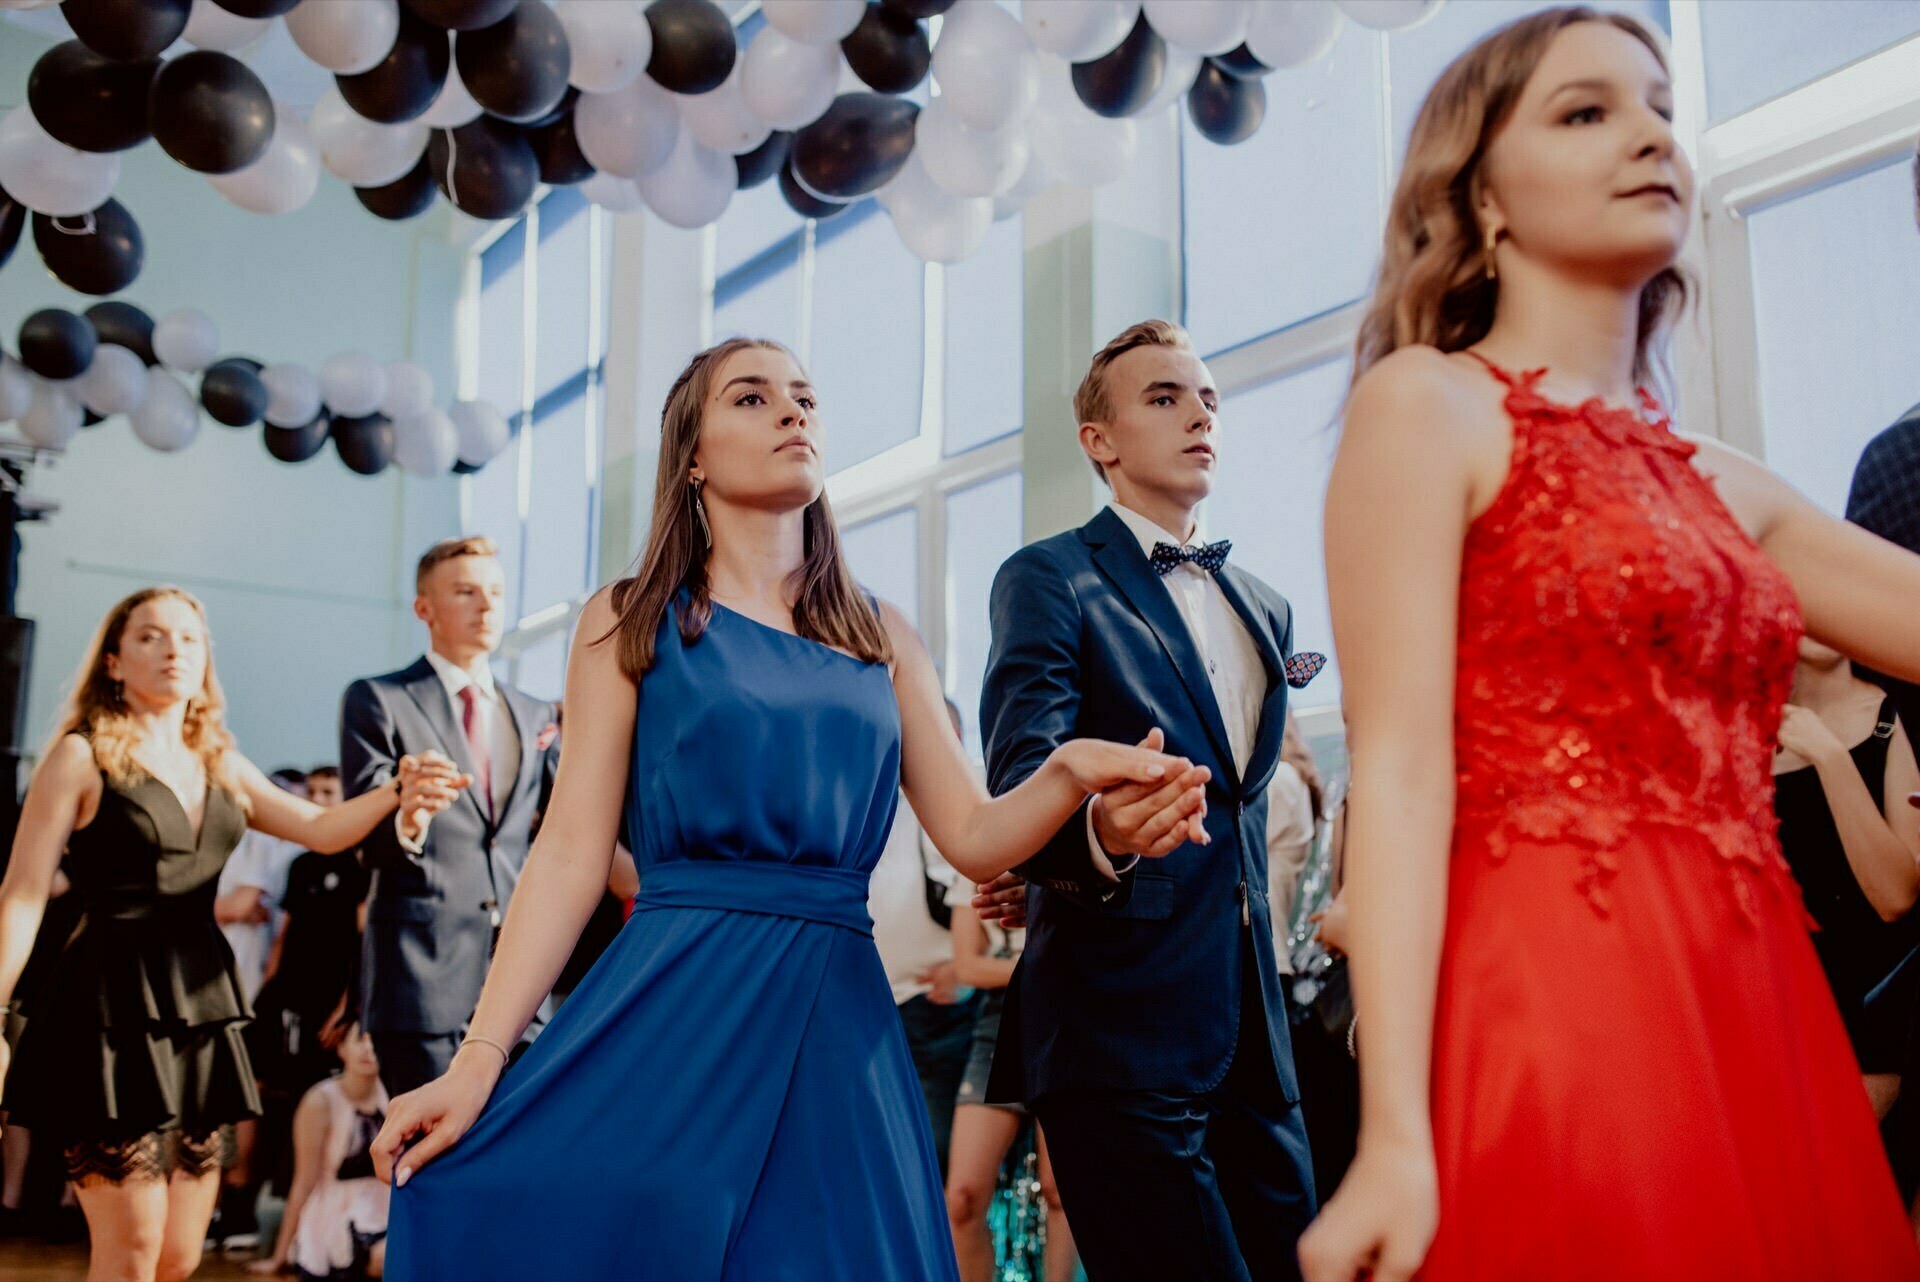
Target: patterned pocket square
<point>1304,667</point>
<point>547,736</point>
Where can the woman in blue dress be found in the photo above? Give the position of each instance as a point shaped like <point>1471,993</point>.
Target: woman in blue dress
<point>728,1094</point>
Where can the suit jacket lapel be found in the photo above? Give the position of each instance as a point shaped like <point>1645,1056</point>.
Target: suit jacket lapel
<point>1118,556</point>
<point>520,714</point>
<point>430,693</point>
<point>1273,709</point>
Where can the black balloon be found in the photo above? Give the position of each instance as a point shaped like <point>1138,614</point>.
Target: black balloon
<point>258,8</point>
<point>130,30</point>
<point>364,444</point>
<point>402,85</point>
<point>88,101</point>
<point>13,216</point>
<point>917,8</point>
<point>88,418</point>
<point>409,194</point>
<point>96,253</point>
<point>57,344</point>
<point>888,50</point>
<point>463,468</point>
<point>297,444</point>
<point>490,170</point>
<point>1241,62</point>
<point>804,202</point>
<point>461,15</point>
<point>1226,108</point>
<point>558,152</point>
<point>210,112</point>
<point>1120,83</point>
<point>562,108</point>
<point>517,68</point>
<point>856,148</point>
<point>232,392</point>
<point>124,325</point>
<point>693,45</point>
<point>763,162</point>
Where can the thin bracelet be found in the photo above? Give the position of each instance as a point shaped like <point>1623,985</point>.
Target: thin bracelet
<point>1353,1028</point>
<point>488,1041</point>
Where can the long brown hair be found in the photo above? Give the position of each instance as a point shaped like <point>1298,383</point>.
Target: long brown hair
<point>1433,286</point>
<point>97,706</point>
<point>828,607</point>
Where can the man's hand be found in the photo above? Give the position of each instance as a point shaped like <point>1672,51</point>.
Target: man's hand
<point>1004,899</point>
<point>1153,819</point>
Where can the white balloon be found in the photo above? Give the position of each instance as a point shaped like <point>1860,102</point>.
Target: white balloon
<point>694,187</point>
<point>46,175</point>
<point>1036,179</point>
<point>1080,147</point>
<point>628,132</point>
<point>787,84</point>
<point>984,65</point>
<point>720,118</point>
<point>115,383</point>
<point>426,444</point>
<point>168,419</point>
<point>814,22</point>
<point>346,37</point>
<point>353,384</point>
<point>361,151</point>
<point>609,43</point>
<point>1205,27</point>
<point>969,162</point>
<point>211,27</point>
<point>1287,33</point>
<point>52,417</point>
<point>454,106</point>
<point>25,5</point>
<point>1078,30</point>
<point>409,391</point>
<point>481,431</point>
<point>186,340</point>
<point>293,395</point>
<point>16,388</point>
<point>1390,15</point>
<point>1182,67</point>
<point>285,177</point>
<point>612,193</point>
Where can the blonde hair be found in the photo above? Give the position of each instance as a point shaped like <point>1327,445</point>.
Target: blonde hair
<point>828,607</point>
<point>1093,401</point>
<point>97,706</point>
<point>1433,286</point>
<point>447,550</point>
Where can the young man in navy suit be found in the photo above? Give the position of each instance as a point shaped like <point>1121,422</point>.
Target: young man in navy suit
<point>1144,1025</point>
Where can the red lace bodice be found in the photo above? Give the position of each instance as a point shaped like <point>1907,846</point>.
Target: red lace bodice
<point>1624,649</point>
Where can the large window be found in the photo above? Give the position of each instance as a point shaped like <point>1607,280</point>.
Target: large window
<point>1759,49</point>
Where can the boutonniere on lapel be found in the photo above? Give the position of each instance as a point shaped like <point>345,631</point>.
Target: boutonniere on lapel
<point>547,736</point>
<point>1304,667</point>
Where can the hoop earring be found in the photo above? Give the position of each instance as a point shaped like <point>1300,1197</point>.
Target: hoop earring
<point>700,513</point>
<point>1487,241</point>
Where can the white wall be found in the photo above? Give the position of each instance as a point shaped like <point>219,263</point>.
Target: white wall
<point>305,569</point>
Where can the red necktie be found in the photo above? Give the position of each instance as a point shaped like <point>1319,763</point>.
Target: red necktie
<point>477,745</point>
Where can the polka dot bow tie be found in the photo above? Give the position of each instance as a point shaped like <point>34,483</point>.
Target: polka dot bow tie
<point>1210,557</point>
<point>1304,667</point>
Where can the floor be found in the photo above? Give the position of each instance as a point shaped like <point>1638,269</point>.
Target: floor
<point>28,1261</point>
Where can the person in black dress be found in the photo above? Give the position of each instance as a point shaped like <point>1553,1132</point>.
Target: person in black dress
<point>134,1060</point>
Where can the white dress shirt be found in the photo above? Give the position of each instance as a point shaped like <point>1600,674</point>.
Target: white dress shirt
<point>1234,667</point>
<point>496,726</point>
<point>909,940</point>
<point>259,861</point>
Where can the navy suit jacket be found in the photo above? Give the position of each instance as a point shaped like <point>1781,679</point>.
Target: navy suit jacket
<point>1134,987</point>
<point>431,916</point>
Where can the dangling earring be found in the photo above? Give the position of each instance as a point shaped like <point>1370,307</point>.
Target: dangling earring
<point>1487,242</point>
<point>700,512</point>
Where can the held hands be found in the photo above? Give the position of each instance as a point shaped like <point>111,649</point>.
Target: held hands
<point>1155,815</point>
<point>1380,1221</point>
<point>429,783</point>
<point>439,1113</point>
<point>1004,899</point>
<point>1806,736</point>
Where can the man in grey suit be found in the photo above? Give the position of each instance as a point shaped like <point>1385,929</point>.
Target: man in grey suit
<point>441,887</point>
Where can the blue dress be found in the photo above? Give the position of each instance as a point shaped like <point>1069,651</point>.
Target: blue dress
<point>728,1094</point>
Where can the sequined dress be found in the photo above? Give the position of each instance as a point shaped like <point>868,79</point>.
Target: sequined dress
<point>1638,1068</point>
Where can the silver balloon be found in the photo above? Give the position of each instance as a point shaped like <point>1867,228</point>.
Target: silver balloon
<point>788,85</point>
<point>609,40</point>
<point>1288,33</point>
<point>346,37</point>
<point>361,151</point>
<point>186,340</point>
<point>293,395</point>
<point>967,161</point>
<point>1205,27</point>
<point>613,193</point>
<point>16,388</point>
<point>114,383</point>
<point>353,384</point>
<point>814,22</point>
<point>628,132</point>
<point>282,180</point>
<point>409,392</point>
<point>481,431</point>
<point>694,187</point>
<point>46,175</point>
<point>168,419</point>
<point>1079,30</point>
<point>52,417</point>
<point>937,226</point>
<point>984,65</point>
<point>427,444</point>
<point>211,27</point>
<point>720,118</point>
